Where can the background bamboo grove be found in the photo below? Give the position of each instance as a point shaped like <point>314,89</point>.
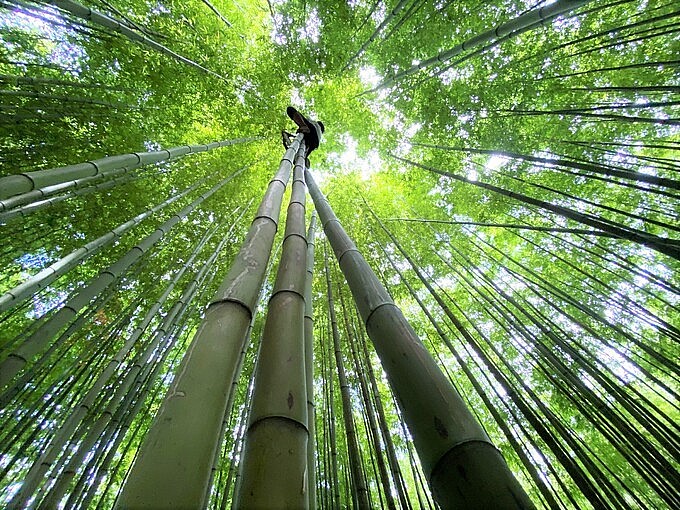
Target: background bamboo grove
<point>507,170</point>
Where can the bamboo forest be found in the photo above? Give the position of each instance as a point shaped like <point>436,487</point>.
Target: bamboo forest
<point>465,295</point>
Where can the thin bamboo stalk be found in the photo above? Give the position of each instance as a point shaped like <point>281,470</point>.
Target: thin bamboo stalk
<point>358,485</point>
<point>32,345</point>
<point>309,365</point>
<point>83,12</point>
<point>39,468</point>
<point>666,246</point>
<point>55,270</point>
<point>515,26</point>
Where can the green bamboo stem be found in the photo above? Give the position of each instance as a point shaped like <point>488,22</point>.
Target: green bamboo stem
<point>463,467</point>
<point>129,409</point>
<point>40,467</point>
<point>528,20</point>
<point>509,225</point>
<point>371,425</point>
<point>83,12</point>
<point>160,336</point>
<point>309,364</point>
<point>478,388</point>
<point>37,195</point>
<point>358,485</point>
<point>32,345</point>
<point>274,458</point>
<point>663,245</point>
<point>397,8</point>
<point>55,270</point>
<point>235,382</point>
<point>561,161</point>
<point>26,182</point>
<point>81,190</point>
<point>172,468</point>
<point>395,469</point>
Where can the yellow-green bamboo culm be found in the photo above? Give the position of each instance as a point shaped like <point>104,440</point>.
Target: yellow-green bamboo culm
<point>28,187</point>
<point>172,468</point>
<point>463,467</point>
<point>273,470</point>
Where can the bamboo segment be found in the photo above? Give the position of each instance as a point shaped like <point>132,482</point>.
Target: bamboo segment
<point>309,364</point>
<point>30,347</point>
<point>172,468</point>
<point>463,467</point>
<point>274,465</point>
<point>68,176</point>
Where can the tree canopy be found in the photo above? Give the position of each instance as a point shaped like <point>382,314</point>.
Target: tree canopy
<point>509,170</point>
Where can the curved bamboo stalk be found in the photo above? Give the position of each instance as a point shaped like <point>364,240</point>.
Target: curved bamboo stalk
<point>509,225</point>
<point>448,439</point>
<point>217,13</point>
<point>32,345</point>
<point>274,458</point>
<point>561,161</point>
<point>83,12</point>
<point>666,246</point>
<point>26,182</point>
<point>526,21</point>
<point>172,468</point>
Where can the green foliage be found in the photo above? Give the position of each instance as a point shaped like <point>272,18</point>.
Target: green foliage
<point>580,328</point>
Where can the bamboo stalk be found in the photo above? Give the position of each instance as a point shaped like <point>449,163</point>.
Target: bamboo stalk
<point>26,182</point>
<point>32,345</point>
<point>274,458</point>
<point>463,468</point>
<point>309,364</point>
<point>172,468</point>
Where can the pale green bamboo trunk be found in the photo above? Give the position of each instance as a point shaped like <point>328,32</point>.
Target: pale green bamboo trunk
<point>38,340</point>
<point>274,458</point>
<point>464,469</point>
<point>172,468</point>
<point>30,183</point>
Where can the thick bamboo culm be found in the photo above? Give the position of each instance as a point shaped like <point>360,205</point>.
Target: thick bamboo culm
<point>464,469</point>
<point>172,469</point>
<point>273,470</point>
